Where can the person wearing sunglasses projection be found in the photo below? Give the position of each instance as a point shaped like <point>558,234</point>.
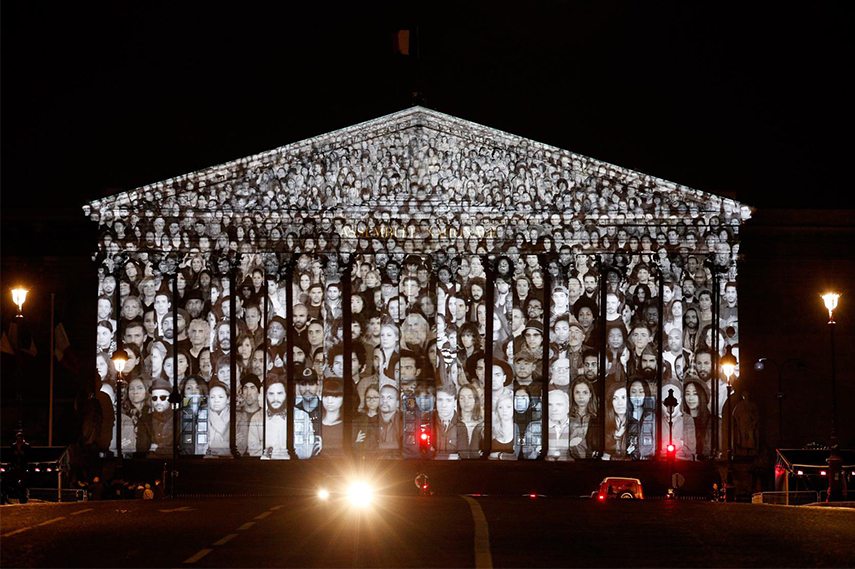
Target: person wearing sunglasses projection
<point>154,434</point>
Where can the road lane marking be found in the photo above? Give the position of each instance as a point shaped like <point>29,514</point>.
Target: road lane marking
<point>274,508</point>
<point>245,526</point>
<point>180,509</point>
<point>262,515</point>
<point>78,512</point>
<point>483,557</point>
<point>17,531</point>
<point>198,555</point>
<point>226,539</point>
<point>28,528</point>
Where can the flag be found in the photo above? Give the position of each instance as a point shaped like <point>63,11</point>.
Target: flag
<point>60,342</point>
<point>17,340</point>
<point>402,42</point>
<point>6,345</point>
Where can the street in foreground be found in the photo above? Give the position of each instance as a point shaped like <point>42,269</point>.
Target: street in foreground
<point>447,531</point>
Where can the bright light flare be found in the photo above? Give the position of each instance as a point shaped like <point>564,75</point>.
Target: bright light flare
<point>360,494</point>
<point>19,297</point>
<point>323,494</point>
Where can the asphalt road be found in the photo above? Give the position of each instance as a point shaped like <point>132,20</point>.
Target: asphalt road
<point>439,531</point>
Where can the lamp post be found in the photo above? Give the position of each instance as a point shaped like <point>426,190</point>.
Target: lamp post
<point>728,366</point>
<point>760,365</point>
<point>120,358</point>
<point>836,490</point>
<point>19,296</point>
<point>670,402</point>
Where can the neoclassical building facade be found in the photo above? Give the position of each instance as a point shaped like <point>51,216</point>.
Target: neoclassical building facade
<point>446,290</point>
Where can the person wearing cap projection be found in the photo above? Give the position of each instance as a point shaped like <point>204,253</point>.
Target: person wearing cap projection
<point>179,333</point>
<point>269,439</point>
<point>506,433</point>
<point>526,371</point>
<point>410,291</point>
<point>470,427</point>
<point>695,408</point>
<point>194,303</point>
<point>154,431</point>
<point>532,340</point>
<point>560,302</point>
<point>219,416</point>
<point>276,341</point>
<point>250,390</point>
<point>641,420</point>
<point>308,400</point>
<point>332,427</point>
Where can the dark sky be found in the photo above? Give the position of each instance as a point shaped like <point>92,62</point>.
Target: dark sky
<point>750,102</point>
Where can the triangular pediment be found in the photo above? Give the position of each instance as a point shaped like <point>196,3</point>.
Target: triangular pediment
<point>417,164</point>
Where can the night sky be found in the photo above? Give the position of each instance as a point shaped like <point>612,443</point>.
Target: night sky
<point>747,102</point>
<point>752,102</point>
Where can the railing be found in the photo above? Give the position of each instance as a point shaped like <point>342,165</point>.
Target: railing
<point>796,498</point>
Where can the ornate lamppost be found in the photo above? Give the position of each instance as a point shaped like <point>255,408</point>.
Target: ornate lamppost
<point>836,488</point>
<point>19,296</point>
<point>120,358</point>
<point>728,366</point>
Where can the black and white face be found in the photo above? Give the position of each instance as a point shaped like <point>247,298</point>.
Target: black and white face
<point>276,396</point>
<point>388,399</point>
<point>217,399</point>
<point>159,400</point>
<point>692,397</point>
<point>730,295</point>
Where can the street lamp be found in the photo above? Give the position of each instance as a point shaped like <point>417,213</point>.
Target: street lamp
<point>835,461</point>
<point>120,358</point>
<point>670,402</point>
<point>19,297</point>
<point>728,366</point>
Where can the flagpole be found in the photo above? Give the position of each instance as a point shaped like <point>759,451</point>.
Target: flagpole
<point>52,356</point>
